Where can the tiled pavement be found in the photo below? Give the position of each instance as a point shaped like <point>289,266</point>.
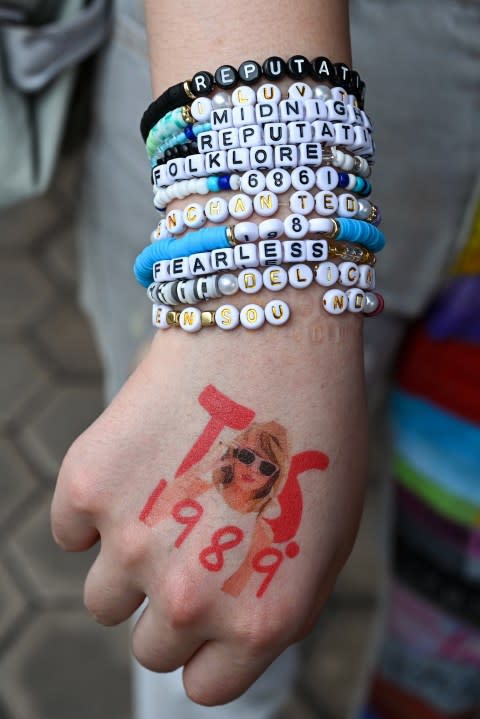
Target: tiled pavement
<point>55,662</point>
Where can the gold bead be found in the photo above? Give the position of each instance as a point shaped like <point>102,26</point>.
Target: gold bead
<point>173,318</point>
<point>188,92</point>
<point>334,233</point>
<point>229,233</point>
<point>208,318</point>
<point>187,115</point>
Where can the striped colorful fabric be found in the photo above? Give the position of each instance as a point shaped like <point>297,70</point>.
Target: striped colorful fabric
<point>429,663</point>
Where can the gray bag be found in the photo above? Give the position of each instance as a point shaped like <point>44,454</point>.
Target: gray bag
<point>41,45</point>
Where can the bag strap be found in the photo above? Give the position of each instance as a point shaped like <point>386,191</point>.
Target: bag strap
<point>36,55</point>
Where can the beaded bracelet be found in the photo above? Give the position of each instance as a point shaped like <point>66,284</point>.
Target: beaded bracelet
<point>250,72</point>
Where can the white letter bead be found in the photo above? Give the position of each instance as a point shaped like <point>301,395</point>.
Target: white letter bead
<point>243,95</point>
<point>200,263</point>
<point>324,132</point>
<point>266,112</point>
<point>278,180</point>
<point>299,132</point>
<point>201,108</point>
<point>246,255</point>
<point>366,278</point>
<point>275,278</point>
<point>265,203</point>
<point>180,268</point>
<point>294,250</point>
<point>326,178</point>
<point>347,205</point>
<point>277,312</point>
<point>326,203</point>
<point>252,182</point>
<point>356,299</point>
<point>338,93</point>
<point>227,317</point>
<point>243,115</point>
<point>269,93</point>
<point>315,110</point>
<point>228,138</point>
<point>176,169</point>
<point>270,229</point>
<point>195,165</point>
<point>348,273</point>
<point>216,162</point>
<point>159,176</point>
<point>207,141</point>
<point>250,136</point>
<point>291,110</point>
<point>300,276</point>
<point>240,206</point>
<point>335,301</point>
<point>300,91</point>
<point>175,222</point>
<point>295,226</point>
<point>275,133</point>
<point>191,319</point>
<point>316,250</point>
<point>221,118</point>
<point>216,209</point>
<point>223,259</point>
<point>326,274</point>
<point>261,157</point>
<point>238,159</point>
<point>159,316</point>
<point>270,252</point>
<point>303,178</point>
<point>285,155</point>
<point>252,316</point>
<point>194,216</point>
<point>344,135</point>
<point>302,202</point>
<point>250,281</point>
<point>320,225</point>
<point>246,231</point>
<point>310,153</point>
<point>336,110</point>
<point>161,271</point>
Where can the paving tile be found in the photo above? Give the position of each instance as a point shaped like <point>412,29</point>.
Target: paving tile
<point>50,432</point>
<point>17,480</point>
<point>66,666</point>
<point>56,576</point>
<point>336,662</point>
<point>68,340</point>
<point>23,224</point>
<point>12,602</point>
<point>25,294</point>
<point>21,379</point>
<point>59,257</point>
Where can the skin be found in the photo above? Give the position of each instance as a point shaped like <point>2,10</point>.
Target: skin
<point>307,376</point>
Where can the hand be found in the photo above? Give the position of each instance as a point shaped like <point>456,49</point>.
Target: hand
<point>225,482</point>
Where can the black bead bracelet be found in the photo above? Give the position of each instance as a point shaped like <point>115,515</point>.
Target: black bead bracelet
<point>274,68</point>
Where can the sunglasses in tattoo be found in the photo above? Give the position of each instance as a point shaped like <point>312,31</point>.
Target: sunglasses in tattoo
<point>250,459</point>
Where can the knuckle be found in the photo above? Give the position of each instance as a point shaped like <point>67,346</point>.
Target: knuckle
<point>131,548</point>
<point>262,634</point>
<point>183,604</point>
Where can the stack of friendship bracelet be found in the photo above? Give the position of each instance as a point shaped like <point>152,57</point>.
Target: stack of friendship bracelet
<point>286,170</point>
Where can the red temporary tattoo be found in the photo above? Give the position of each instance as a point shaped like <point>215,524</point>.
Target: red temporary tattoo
<point>250,472</point>
<point>224,412</point>
<point>219,546</point>
<point>182,513</point>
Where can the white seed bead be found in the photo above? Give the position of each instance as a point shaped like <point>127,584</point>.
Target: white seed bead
<point>371,303</point>
<point>250,281</point>
<point>186,292</point>
<point>243,95</point>
<point>270,229</point>
<point>335,302</point>
<point>356,299</point>
<point>294,250</point>
<point>228,284</point>
<point>212,286</point>
<point>159,316</point>
<point>191,319</point>
<point>278,180</point>
<point>246,232</point>
<point>326,203</point>
<point>366,277</point>
<point>303,178</point>
<point>160,199</point>
<point>216,209</point>
<point>352,181</point>
<point>347,205</point>
<point>240,206</point>
<point>235,182</point>
<point>348,273</point>
<point>194,215</point>
<point>252,316</point>
<point>320,225</point>
<point>295,226</point>
<point>227,317</point>
<point>302,202</point>
<point>201,108</point>
<point>348,163</point>
<point>252,182</point>
<point>326,274</point>
<point>275,278</point>
<point>277,312</point>
<point>300,276</point>
<point>265,203</point>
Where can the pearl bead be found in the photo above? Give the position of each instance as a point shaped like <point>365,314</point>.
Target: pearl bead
<point>228,284</point>
<point>364,209</point>
<point>252,316</point>
<point>322,92</point>
<point>371,303</point>
<point>221,99</point>
<point>277,312</point>
<point>227,317</point>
